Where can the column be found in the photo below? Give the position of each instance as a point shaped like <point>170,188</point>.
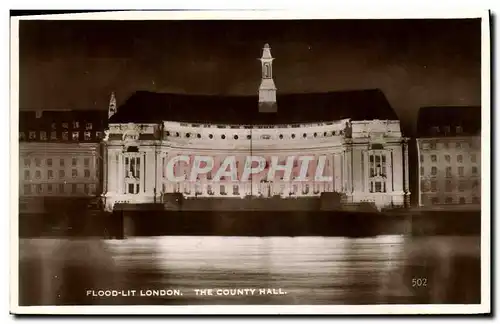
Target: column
<point>389,187</point>
<point>144,175</point>
<point>366,171</point>
<point>121,185</point>
<point>405,168</point>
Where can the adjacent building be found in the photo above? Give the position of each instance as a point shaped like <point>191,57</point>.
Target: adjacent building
<point>449,149</point>
<point>60,157</point>
<point>357,131</point>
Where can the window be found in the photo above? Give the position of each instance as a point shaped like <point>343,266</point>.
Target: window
<point>475,184</point>
<point>462,185</point>
<point>449,200</point>
<point>433,185</point>
<point>294,189</point>
<point>49,188</point>
<point>88,126</point>
<point>432,145</point>
<point>39,188</point>
<point>267,70</point>
<point>38,174</point>
<point>64,125</point>
<point>433,158</point>
<point>75,136</point>
<point>61,162</point>
<point>209,175</point>
<point>448,186</point>
<point>87,173</point>
<point>461,200</point>
<point>65,136</point>
<point>461,171</point>
<point>236,190</point>
<point>473,158</point>
<point>22,137</point>
<point>305,190</point>
<point>74,173</point>
<point>61,174</point>
<point>378,186</point>
<point>458,145</point>
<point>53,135</point>
<point>43,135</point>
<point>87,136</point>
<point>435,200</point>
<point>86,189</point>
<point>27,162</point>
<point>222,190</point>
<point>209,190</point>
<point>459,129</point>
<point>448,172</point>
<point>446,145</point>
<point>132,167</point>
<point>446,129</point>
<point>26,174</point>
<point>74,161</point>
<point>49,162</point>
<point>27,189</point>
<point>98,135</point>
<point>460,158</point>
<point>447,158</point>
<point>50,174</point>
<point>61,188</point>
<point>433,171</point>
<point>86,162</point>
<point>422,171</point>
<point>474,170</point>
<point>53,126</point>
<point>76,124</point>
<point>73,188</point>
<point>32,135</point>
<point>38,162</point>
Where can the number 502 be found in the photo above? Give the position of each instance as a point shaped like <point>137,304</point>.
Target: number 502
<point>419,282</point>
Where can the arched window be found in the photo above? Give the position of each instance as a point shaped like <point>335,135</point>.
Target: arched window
<point>267,70</point>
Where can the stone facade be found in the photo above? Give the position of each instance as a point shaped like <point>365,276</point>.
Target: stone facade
<point>449,149</point>
<point>366,159</point>
<point>60,157</point>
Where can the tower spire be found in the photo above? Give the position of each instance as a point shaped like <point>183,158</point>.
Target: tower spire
<point>267,89</point>
<point>112,105</point>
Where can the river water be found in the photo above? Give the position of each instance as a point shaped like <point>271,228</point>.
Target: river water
<point>292,270</point>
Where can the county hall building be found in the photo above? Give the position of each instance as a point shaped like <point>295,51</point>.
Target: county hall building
<point>357,131</point>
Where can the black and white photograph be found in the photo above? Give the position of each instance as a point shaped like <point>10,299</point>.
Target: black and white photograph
<point>163,159</point>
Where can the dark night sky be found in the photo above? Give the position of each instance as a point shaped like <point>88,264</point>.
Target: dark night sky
<point>76,64</point>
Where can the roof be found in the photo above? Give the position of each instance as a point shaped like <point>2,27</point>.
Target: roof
<point>438,121</point>
<point>53,120</point>
<point>150,107</point>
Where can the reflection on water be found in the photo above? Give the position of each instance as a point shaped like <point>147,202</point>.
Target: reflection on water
<point>311,270</point>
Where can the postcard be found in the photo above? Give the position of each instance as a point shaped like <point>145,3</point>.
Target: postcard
<point>263,162</point>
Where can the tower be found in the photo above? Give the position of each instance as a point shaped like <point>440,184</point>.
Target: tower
<point>112,105</point>
<point>267,89</point>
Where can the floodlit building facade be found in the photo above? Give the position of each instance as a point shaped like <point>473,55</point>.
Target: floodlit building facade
<point>59,158</point>
<point>354,135</point>
<point>449,149</point>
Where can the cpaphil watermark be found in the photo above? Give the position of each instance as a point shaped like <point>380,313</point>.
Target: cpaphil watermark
<point>182,168</point>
